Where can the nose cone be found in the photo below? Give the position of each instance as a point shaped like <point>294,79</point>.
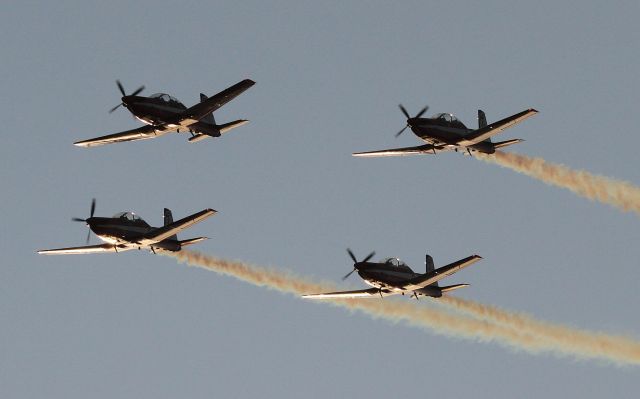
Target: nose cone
<point>126,100</point>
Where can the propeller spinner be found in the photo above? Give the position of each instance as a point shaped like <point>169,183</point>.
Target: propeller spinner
<point>355,262</point>
<point>124,94</point>
<point>404,111</point>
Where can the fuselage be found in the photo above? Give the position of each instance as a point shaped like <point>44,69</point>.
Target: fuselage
<point>126,230</point>
<point>160,109</point>
<point>384,275</point>
<point>445,132</point>
<point>389,276</point>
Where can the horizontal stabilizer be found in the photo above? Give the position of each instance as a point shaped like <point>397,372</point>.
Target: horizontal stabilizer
<point>452,287</point>
<point>225,127</point>
<point>191,241</point>
<point>198,137</point>
<point>505,143</point>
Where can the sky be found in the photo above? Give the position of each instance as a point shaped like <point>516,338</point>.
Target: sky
<point>330,76</point>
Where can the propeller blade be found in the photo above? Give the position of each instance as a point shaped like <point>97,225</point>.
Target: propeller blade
<point>93,207</point>
<point>137,91</point>
<point>404,111</point>
<point>353,257</point>
<point>77,220</point>
<point>371,255</point>
<point>121,88</point>
<point>419,114</point>
<point>88,236</point>
<point>114,108</point>
<point>400,132</point>
<point>348,274</point>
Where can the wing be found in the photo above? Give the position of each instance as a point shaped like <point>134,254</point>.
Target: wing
<point>90,249</point>
<point>141,133</point>
<point>369,293</point>
<point>167,231</point>
<point>440,273</point>
<point>198,111</point>
<point>491,130</point>
<point>394,152</point>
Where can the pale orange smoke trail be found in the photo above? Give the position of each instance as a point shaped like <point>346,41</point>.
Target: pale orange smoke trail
<point>618,193</point>
<point>522,336</point>
<point>590,342</point>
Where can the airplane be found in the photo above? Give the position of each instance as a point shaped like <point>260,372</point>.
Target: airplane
<point>126,231</point>
<point>164,114</point>
<point>444,132</point>
<point>392,277</point>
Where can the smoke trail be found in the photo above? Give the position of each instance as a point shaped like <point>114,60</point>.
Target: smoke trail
<point>496,327</point>
<point>587,342</point>
<point>620,194</point>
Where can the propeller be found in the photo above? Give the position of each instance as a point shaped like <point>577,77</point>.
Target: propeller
<point>124,94</point>
<point>404,111</point>
<point>93,210</point>
<point>355,261</point>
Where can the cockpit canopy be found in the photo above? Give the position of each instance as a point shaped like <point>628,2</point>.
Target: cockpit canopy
<point>395,262</point>
<point>450,119</point>
<point>168,99</point>
<point>130,216</point>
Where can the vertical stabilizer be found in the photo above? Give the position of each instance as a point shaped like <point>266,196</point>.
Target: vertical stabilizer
<point>429,267</point>
<point>168,219</point>
<point>482,119</point>
<point>209,117</point>
<point>428,263</point>
<point>482,122</point>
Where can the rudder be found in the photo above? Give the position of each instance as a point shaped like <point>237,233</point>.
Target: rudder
<point>168,219</point>
<point>429,267</point>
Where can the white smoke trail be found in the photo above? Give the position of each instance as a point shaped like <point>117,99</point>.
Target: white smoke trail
<point>496,327</point>
<point>618,193</point>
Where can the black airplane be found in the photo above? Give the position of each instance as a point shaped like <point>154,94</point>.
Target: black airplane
<point>126,231</point>
<point>393,277</point>
<point>444,132</point>
<point>164,114</point>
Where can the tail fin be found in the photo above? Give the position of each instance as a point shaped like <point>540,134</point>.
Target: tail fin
<point>482,122</point>
<point>429,267</point>
<point>482,119</point>
<point>168,219</point>
<point>209,117</point>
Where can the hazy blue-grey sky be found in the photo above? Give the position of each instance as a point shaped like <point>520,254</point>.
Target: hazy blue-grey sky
<point>329,77</point>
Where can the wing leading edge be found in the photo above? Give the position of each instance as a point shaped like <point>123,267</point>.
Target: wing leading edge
<point>491,130</point>
<point>368,293</point>
<point>198,111</point>
<point>440,273</point>
<point>394,152</point>
<point>141,133</point>
<point>167,231</point>
<point>89,249</point>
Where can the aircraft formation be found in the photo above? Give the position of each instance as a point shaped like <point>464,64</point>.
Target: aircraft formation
<point>162,114</point>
